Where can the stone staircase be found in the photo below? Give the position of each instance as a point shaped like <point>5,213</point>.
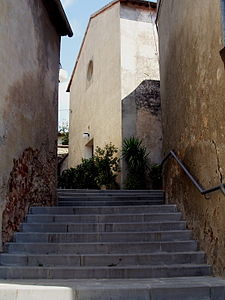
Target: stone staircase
<point>130,236</point>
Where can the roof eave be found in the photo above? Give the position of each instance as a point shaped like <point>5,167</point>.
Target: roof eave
<point>58,17</point>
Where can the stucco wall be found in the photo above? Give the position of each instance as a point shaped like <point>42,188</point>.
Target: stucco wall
<point>192,95</point>
<point>141,111</point>
<point>96,103</point>
<point>139,69</point>
<point>139,47</point>
<point>29,60</point>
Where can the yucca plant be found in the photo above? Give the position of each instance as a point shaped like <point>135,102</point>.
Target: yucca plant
<point>136,157</point>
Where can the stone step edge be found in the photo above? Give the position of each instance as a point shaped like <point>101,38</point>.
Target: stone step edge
<point>163,214</point>
<point>130,267</point>
<point>105,243</point>
<point>112,223</point>
<point>115,289</point>
<point>114,198</point>
<point>105,191</point>
<point>107,254</point>
<point>118,197</point>
<point>109,260</point>
<point>120,206</point>
<point>106,233</point>
<point>116,207</point>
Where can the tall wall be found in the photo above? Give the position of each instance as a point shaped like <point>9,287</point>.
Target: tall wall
<point>95,99</point>
<point>29,62</point>
<point>139,47</point>
<point>141,111</point>
<point>192,96</point>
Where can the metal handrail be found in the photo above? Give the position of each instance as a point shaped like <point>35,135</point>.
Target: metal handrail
<point>191,177</point>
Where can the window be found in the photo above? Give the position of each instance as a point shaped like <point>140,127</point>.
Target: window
<point>90,70</point>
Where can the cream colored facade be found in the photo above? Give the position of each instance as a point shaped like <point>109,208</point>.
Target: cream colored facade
<point>121,42</point>
<point>95,101</point>
<point>29,64</point>
<point>193,99</point>
<point>139,47</point>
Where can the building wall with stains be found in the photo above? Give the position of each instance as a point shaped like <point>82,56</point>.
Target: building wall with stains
<point>139,47</point>
<point>121,42</point>
<point>95,90</point>
<point>193,98</point>
<point>141,110</point>
<point>29,62</point>
<point>141,117</point>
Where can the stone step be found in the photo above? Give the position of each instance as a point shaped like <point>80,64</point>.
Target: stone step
<point>110,198</point>
<point>109,202</point>
<point>110,260</point>
<point>102,227</point>
<point>111,194</point>
<point>185,288</point>
<point>102,210</point>
<point>31,272</point>
<point>101,248</point>
<point>82,191</point>
<point>115,218</point>
<point>84,237</point>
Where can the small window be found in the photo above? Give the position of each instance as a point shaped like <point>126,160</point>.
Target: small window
<point>90,70</point>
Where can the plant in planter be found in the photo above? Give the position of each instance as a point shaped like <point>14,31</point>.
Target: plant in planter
<point>136,157</point>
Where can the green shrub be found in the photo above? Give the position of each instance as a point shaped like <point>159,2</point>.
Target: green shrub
<point>63,132</point>
<point>136,157</point>
<point>100,170</point>
<point>107,164</point>
<point>81,177</point>
<point>65,138</point>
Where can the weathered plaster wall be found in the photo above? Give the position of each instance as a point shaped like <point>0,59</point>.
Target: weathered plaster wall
<point>141,111</point>
<point>192,96</point>
<point>139,47</point>
<point>95,102</point>
<point>29,60</point>
<point>139,69</point>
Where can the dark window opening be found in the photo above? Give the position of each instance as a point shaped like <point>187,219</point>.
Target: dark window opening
<point>90,70</point>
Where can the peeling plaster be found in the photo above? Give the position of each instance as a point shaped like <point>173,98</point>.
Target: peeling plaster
<point>218,162</point>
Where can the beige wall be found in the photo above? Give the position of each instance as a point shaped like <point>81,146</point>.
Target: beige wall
<point>141,112</point>
<point>193,99</point>
<point>96,105</point>
<point>139,72</point>
<point>29,60</point>
<point>124,56</point>
<point>139,47</point>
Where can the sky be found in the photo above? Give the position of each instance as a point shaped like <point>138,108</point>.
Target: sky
<point>78,13</point>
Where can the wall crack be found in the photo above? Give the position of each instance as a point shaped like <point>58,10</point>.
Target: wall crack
<point>218,162</point>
